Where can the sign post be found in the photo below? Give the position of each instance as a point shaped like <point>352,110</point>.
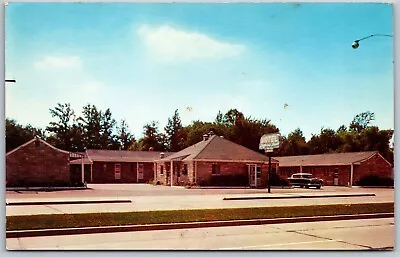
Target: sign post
<point>268,143</point>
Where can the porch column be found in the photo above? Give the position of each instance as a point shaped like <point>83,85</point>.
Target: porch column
<point>82,171</point>
<point>137,172</point>
<point>171,172</point>
<point>91,173</point>
<point>155,171</point>
<point>195,171</point>
<point>255,175</point>
<point>351,174</point>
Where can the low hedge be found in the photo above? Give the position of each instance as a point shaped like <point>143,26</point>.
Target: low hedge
<point>375,180</point>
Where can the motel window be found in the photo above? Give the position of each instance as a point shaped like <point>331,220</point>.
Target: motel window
<point>185,169</point>
<point>162,169</point>
<point>258,171</point>
<point>117,171</point>
<point>216,169</point>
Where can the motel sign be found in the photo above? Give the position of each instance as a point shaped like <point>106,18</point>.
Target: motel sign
<point>269,142</point>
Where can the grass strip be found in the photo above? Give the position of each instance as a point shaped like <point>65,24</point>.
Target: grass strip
<point>176,216</point>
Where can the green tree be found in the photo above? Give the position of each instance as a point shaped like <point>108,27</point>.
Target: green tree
<point>61,135</point>
<point>297,144</point>
<point>124,137</point>
<point>361,121</point>
<point>107,138</point>
<point>152,138</point>
<point>175,134</point>
<point>17,134</point>
<point>219,118</point>
<point>92,125</point>
<point>325,142</point>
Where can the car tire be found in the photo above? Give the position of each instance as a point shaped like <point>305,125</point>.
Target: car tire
<point>318,187</point>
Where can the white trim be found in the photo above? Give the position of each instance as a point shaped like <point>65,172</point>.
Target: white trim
<point>351,174</point>
<point>31,141</point>
<point>137,172</point>
<point>195,171</point>
<point>171,172</point>
<point>83,170</point>
<point>385,159</point>
<point>367,158</point>
<point>245,161</point>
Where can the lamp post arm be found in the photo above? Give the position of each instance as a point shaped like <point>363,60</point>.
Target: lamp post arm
<point>373,35</point>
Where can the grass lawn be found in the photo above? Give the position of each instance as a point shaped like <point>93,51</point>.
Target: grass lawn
<point>175,216</point>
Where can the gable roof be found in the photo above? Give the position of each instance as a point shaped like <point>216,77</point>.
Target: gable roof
<point>324,159</point>
<point>216,148</point>
<point>32,141</point>
<point>123,156</point>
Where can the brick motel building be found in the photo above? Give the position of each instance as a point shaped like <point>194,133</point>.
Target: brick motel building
<point>109,166</point>
<point>338,169</point>
<point>37,163</point>
<point>214,161</point>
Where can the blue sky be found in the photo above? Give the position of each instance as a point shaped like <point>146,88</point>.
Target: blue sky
<point>143,61</point>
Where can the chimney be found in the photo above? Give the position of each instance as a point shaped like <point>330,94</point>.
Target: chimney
<point>205,137</point>
<point>162,155</point>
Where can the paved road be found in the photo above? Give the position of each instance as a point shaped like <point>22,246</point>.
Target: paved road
<point>171,200</point>
<point>328,235</point>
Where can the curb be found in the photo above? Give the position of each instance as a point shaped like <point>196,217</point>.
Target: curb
<point>188,225</point>
<point>294,196</point>
<point>67,202</point>
<point>44,188</point>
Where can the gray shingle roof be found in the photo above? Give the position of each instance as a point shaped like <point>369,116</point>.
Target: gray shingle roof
<point>324,159</point>
<point>218,149</point>
<point>123,156</point>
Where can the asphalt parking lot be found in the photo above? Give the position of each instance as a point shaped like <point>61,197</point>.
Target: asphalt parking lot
<point>132,190</point>
<point>146,197</point>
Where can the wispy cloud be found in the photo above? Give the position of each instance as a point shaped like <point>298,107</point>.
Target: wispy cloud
<point>59,62</point>
<point>165,43</point>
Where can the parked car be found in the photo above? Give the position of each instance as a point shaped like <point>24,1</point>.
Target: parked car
<point>305,180</point>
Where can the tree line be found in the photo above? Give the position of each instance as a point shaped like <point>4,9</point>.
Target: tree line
<point>97,129</point>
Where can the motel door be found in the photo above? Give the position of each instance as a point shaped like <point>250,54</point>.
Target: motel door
<point>140,171</point>
<point>336,177</point>
<point>254,170</point>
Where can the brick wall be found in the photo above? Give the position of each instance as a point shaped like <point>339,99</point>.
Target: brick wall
<point>376,165</point>
<point>104,172</point>
<point>323,172</point>
<point>202,171</point>
<point>37,165</point>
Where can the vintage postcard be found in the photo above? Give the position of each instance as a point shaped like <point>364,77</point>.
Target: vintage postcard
<point>199,126</point>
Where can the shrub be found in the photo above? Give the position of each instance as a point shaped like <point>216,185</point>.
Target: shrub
<point>375,180</point>
<point>277,180</point>
<point>190,184</point>
<point>230,180</point>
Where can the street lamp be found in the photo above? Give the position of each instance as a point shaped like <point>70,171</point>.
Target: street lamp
<point>356,44</point>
